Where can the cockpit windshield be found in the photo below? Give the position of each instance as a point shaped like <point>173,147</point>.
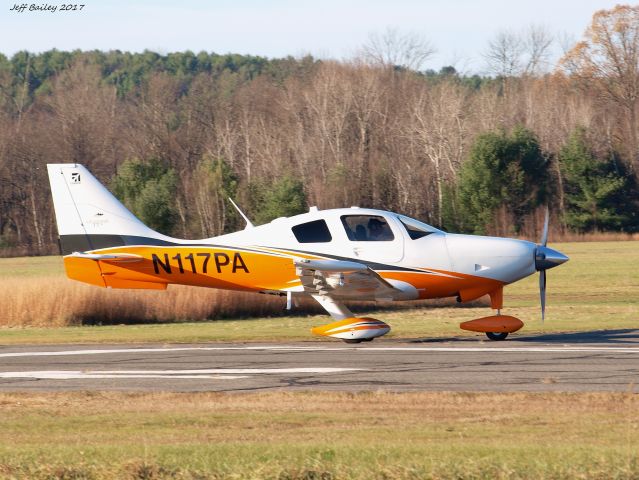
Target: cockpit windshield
<point>415,228</point>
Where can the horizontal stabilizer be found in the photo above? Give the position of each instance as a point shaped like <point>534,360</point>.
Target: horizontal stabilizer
<point>109,257</point>
<point>109,270</point>
<point>111,281</point>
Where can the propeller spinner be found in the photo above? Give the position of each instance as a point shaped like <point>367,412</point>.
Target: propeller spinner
<point>546,258</point>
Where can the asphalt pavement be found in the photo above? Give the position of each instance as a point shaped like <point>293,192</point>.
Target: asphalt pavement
<point>606,360</point>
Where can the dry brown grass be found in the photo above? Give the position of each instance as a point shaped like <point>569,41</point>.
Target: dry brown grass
<point>473,407</point>
<point>57,301</point>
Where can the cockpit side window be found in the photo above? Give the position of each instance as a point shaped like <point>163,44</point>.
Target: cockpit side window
<point>367,228</point>
<point>415,228</point>
<point>312,232</point>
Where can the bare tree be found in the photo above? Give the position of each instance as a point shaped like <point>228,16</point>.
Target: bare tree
<point>504,54</point>
<point>328,105</point>
<point>437,127</point>
<point>85,111</point>
<point>152,119</point>
<point>511,53</point>
<point>393,48</point>
<point>537,44</point>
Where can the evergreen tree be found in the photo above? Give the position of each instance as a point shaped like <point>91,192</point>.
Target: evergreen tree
<point>284,198</point>
<point>503,171</point>
<point>596,194</point>
<point>148,189</point>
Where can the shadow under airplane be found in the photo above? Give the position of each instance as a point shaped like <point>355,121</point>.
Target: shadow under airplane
<point>621,336</point>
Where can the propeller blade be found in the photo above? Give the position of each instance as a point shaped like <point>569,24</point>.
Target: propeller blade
<point>542,293</point>
<point>544,235</point>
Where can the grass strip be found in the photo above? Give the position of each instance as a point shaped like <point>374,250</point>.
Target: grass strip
<point>319,435</point>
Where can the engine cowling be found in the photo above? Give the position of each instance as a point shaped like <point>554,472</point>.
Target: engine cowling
<point>353,329</point>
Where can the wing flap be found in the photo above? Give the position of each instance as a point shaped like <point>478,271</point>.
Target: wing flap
<point>332,265</point>
<point>342,278</point>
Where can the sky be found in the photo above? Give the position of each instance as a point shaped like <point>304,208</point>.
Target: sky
<point>458,29</point>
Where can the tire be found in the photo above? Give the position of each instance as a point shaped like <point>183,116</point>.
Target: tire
<point>497,336</point>
<point>352,340</point>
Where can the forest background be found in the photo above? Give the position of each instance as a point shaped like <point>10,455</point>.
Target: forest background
<point>174,136</point>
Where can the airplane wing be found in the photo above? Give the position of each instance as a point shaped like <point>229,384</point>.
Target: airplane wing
<point>341,278</point>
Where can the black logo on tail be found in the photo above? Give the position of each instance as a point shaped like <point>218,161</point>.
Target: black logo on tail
<point>75,177</point>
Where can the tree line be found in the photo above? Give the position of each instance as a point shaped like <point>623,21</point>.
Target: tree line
<point>175,135</point>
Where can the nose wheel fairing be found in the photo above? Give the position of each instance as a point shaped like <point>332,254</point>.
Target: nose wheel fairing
<point>493,324</point>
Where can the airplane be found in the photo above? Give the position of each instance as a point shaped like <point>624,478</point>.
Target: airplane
<point>334,256</point>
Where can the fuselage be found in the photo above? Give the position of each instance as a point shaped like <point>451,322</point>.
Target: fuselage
<point>420,261</point>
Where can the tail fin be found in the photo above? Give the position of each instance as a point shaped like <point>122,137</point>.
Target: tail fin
<point>89,217</point>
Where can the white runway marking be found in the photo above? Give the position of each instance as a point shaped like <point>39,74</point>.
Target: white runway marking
<point>293,348</point>
<point>243,370</point>
<point>209,373</point>
<point>77,374</point>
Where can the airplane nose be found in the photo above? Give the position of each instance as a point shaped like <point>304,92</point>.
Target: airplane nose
<point>546,258</point>
<point>503,259</point>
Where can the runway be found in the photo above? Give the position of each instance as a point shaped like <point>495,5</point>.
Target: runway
<point>594,361</point>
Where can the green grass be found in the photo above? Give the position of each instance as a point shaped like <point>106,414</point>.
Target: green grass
<point>597,273</point>
<point>598,289</point>
<point>29,267</point>
<point>319,435</point>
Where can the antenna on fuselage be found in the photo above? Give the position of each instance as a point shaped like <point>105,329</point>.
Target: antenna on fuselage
<point>249,224</point>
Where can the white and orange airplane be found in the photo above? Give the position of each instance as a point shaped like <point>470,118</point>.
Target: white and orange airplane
<point>332,255</point>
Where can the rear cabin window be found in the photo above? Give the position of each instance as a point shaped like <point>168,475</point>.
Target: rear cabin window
<point>312,232</point>
<point>367,228</point>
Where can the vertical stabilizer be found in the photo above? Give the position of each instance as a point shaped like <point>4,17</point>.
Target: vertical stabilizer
<point>89,217</point>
